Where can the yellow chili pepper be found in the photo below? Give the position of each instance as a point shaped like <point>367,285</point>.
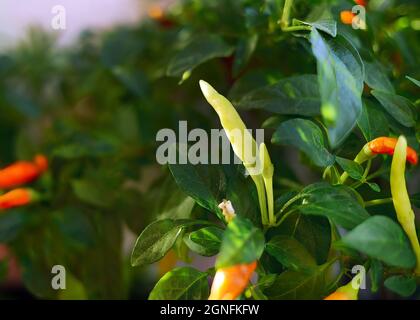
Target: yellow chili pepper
<point>243,144</point>
<point>400,198</point>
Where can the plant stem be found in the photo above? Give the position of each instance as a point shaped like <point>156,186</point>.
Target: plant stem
<point>288,213</point>
<point>376,202</point>
<point>297,28</point>
<point>284,22</point>
<point>261,198</point>
<point>290,202</point>
<point>270,201</point>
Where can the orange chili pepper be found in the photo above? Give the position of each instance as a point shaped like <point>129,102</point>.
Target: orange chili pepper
<point>230,282</point>
<point>17,198</point>
<point>350,291</point>
<point>338,296</point>
<point>22,172</point>
<point>386,145</point>
<point>346,17</point>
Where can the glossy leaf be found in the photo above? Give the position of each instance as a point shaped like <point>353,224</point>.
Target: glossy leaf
<point>372,122</point>
<point>184,283</point>
<point>405,286</point>
<point>400,108</point>
<point>354,169</point>
<point>307,137</point>
<point>242,243</point>
<point>199,50</point>
<point>205,241</point>
<point>156,240</point>
<point>333,202</point>
<point>340,79</point>
<point>291,285</point>
<point>376,78</point>
<point>382,239</point>
<point>290,253</point>
<point>298,95</point>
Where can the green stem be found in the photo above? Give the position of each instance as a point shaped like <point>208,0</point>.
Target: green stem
<point>361,157</point>
<point>261,198</point>
<point>287,214</point>
<point>376,202</point>
<point>270,201</point>
<point>297,28</point>
<point>284,22</point>
<point>290,202</point>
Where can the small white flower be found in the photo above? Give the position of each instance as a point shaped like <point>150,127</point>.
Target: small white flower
<point>228,210</point>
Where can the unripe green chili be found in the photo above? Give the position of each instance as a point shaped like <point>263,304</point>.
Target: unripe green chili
<point>400,198</point>
<point>243,144</point>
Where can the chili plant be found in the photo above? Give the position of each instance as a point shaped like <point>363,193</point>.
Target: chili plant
<point>339,105</point>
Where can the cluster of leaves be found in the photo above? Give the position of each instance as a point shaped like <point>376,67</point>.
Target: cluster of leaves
<point>94,110</point>
<point>322,90</point>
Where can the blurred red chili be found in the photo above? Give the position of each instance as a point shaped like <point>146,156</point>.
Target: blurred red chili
<point>22,172</point>
<point>230,282</point>
<point>17,198</point>
<point>361,2</point>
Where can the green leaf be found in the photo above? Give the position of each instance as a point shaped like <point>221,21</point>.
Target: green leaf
<point>374,186</point>
<point>205,241</point>
<point>242,243</point>
<point>307,137</point>
<point>200,182</point>
<point>400,108</point>
<point>340,79</point>
<point>376,78</point>
<point>290,253</point>
<point>381,238</point>
<point>376,274</point>
<point>92,193</point>
<point>184,283</point>
<point>313,232</point>
<point>292,285</point>
<point>243,53</point>
<point>405,286</point>
<point>416,82</point>
<point>354,169</point>
<point>156,240</point>
<point>327,25</point>
<point>333,202</point>
<point>372,122</point>
<point>297,95</point>
<point>199,50</point>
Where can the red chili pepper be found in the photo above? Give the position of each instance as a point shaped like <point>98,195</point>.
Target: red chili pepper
<point>230,282</point>
<point>17,198</point>
<point>22,172</point>
<point>386,145</point>
<point>361,2</point>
